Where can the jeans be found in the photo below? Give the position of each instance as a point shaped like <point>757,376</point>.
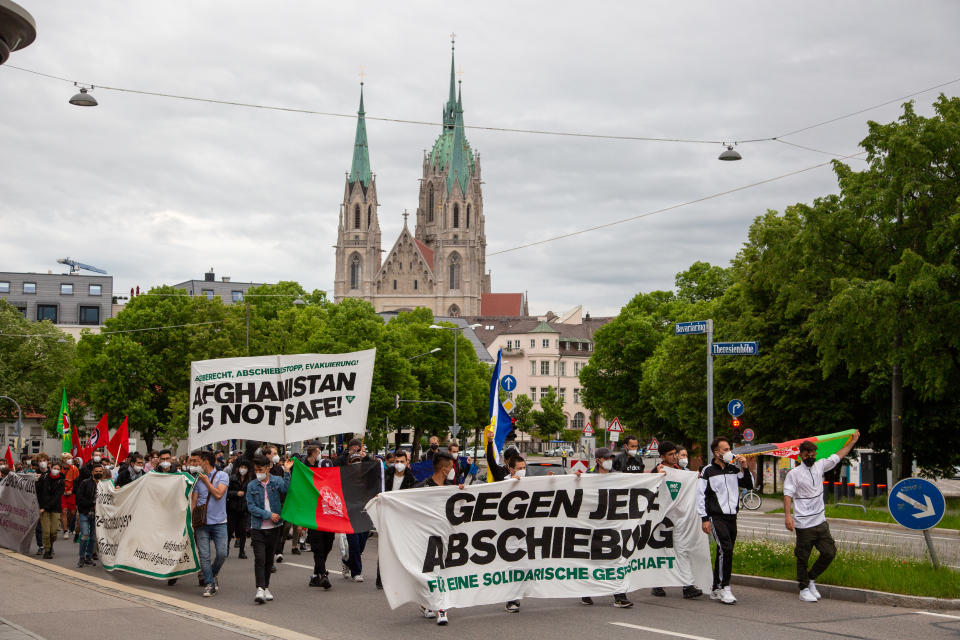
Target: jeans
<point>88,534</point>
<point>357,543</point>
<point>218,534</point>
<point>264,543</point>
<point>819,537</point>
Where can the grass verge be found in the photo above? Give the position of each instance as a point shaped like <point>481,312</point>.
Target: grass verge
<point>857,569</point>
<point>877,512</point>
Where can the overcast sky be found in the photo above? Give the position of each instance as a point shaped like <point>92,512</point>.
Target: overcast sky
<point>157,190</point>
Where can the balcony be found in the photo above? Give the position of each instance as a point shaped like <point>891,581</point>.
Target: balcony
<point>512,352</point>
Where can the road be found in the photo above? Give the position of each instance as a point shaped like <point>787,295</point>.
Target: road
<point>48,604</point>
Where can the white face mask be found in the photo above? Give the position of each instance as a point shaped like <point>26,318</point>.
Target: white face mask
<point>400,467</point>
<point>165,464</point>
<point>138,468</point>
<point>68,462</point>
<point>275,459</point>
<point>194,468</point>
<point>242,471</point>
<point>452,474</point>
<point>633,452</point>
<point>519,473</point>
<point>607,464</point>
<point>96,458</point>
<point>55,472</point>
<point>43,466</point>
<point>261,477</point>
<point>727,457</point>
<point>683,462</point>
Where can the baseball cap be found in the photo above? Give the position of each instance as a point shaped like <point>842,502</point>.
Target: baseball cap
<point>603,452</point>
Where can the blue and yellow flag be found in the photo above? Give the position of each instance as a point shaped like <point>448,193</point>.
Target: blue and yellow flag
<point>500,423</point>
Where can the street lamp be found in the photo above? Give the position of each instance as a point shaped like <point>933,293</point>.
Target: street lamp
<point>18,426</point>
<point>83,99</point>
<point>455,429</point>
<point>729,154</point>
<point>434,350</point>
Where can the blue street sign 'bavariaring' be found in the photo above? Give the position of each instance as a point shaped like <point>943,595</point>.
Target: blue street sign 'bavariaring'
<point>687,328</point>
<point>508,382</point>
<point>735,348</point>
<point>916,503</point>
<point>735,408</point>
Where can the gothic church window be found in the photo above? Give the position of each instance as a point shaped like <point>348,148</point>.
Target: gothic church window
<point>430,205</point>
<point>355,272</point>
<point>454,311</point>
<point>356,216</point>
<point>454,271</point>
<point>468,216</point>
<point>456,216</point>
<point>369,214</point>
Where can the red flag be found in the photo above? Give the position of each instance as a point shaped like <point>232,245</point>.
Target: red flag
<point>98,438</point>
<point>74,439</point>
<point>8,456</point>
<point>119,446</point>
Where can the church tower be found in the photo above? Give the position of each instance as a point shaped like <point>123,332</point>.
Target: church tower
<point>358,233</point>
<point>450,220</point>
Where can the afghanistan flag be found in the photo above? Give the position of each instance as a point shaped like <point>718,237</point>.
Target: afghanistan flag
<point>827,445</point>
<point>64,421</point>
<point>332,498</point>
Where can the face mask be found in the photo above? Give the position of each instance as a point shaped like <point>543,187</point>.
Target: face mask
<point>727,457</point>
<point>165,465</point>
<point>399,467</point>
<point>519,473</point>
<point>261,477</point>
<point>43,465</point>
<point>633,452</point>
<point>55,472</point>
<point>4,468</point>
<point>194,469</point>
<point>434,446</point>
<point>97,476</point>
<point>607,464</point>
<point>242,471</point>
<point>96,458</point>
<point>452,474</point>
<point>809,461</point>
<point>138,468</point>
<point>68,462</point>
<point>275,459</point>
<point>683,462</point>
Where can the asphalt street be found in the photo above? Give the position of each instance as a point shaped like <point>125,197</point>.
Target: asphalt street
<point>48,604</point>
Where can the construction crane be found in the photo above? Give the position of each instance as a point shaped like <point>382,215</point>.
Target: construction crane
<point>76,266</point>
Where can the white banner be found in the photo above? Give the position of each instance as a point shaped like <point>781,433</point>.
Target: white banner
<point>19,511</point>
<point>144,527</point>
<point>279,398</point>
<point>542,537</point>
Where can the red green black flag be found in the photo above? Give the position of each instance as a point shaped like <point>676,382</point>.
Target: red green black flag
<point>332,498</point>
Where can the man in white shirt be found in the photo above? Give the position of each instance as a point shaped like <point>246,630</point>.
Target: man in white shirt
<point>803,491</point>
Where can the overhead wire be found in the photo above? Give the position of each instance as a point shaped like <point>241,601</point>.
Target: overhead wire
<point>169,326</point>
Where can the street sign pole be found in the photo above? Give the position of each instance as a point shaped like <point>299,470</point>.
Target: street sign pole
<point>707,452</point>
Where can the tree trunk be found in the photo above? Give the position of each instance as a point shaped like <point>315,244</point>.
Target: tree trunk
<point>896,418</point>
<point>415,444</point>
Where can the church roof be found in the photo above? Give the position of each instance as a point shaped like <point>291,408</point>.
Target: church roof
<point>426,251</point>
<point>360,169</point>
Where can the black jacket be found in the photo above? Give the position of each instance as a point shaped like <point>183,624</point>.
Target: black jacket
<point>719,490</point>
<point>86,496</point>
<point>235,503</point>
<point>408,481</point>
<point>49,492</point>
<point>626,463</point>
<point>126,475</point>
<point>497,471</point>
<point>429,482</point>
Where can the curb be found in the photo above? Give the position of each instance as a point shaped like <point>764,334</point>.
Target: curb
<point>849,594</point>
<point>869,523</point>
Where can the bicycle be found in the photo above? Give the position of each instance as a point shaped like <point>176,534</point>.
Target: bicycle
<point>750,499</point>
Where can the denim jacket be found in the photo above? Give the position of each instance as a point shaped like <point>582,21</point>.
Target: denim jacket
<point>276,491</point>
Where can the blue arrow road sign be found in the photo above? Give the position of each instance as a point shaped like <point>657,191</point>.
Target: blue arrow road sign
<point>735,408</point>
<point>508,382</point>
<point>686,328</point>
<point>916,503</point>
<point>735,348</point>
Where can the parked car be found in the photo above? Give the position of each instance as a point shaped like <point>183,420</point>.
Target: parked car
<point>535,469</point>
<point>559,451</point>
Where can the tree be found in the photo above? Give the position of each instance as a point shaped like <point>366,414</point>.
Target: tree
<point>549,417</point>
<point>523,406</point>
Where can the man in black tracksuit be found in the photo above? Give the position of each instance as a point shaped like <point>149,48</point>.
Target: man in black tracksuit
<point>718,500</point>
<point>629,460</point>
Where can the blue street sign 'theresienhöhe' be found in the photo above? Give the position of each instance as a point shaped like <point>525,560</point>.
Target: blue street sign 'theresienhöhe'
<point>685,328</point>
<point>735,348</point>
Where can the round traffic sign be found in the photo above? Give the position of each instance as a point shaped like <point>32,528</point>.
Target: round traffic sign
<point>508,382</point>
<point>748,435</point>
<point>916,504</point>
<point>735,408</point>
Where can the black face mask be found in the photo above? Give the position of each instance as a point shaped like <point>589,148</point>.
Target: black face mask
<point>809,461</point>
<point>434,446</point>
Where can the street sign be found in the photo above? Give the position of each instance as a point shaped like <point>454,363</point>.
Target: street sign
<point>735,348</point>
<point>688,328</point>
<point>614,436</point>
<point>748,435</point>
<point>578,465</point>
<point>508,405</point>
<point>735,408</point>
<point>508,382</point>
<point>454,430</point>
<point>588,430</point>
<point>654,446</point>
<point>615,426</point>
<point>916,503</point>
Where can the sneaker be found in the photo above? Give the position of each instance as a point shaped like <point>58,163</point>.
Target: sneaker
<point>303,545</point>
<point>658,592</point>
<point>513,606</point>
<point>48,555</point>
<point>325,582</point>
<point>726,596</point>
<point>295,550</point>
<point>715,594</point>
<point>427,613</point>
<point>260,598</point>
<point>89,562</point>
<point>171,582</point>
<point>442,617</point>
<point>806,596</point>
<point>358,578</point>
<point>66,535</point>
<point>39,551</point>
<point>209,591</point>
<point>278,558</point>
<point>691,591</point>
<point>80,563</point>
<point>345,571</point>
<point>236,543</point>
<point>267,595</point>
<point>586,601</point>
<point>242,555</point>
<point>314,581</point>
<point>813,589</point>
<point>622,603</point>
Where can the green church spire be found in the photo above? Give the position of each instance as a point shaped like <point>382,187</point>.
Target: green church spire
<point>360,169</point>
<point>460,152</point>
<point>450,109</point>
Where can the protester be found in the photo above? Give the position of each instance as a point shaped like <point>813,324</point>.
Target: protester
<point>49,495</point>
<point>354,446</point>
<point>683,460</point>
<point>265,496</point>
<point>669,459</point>
<point>356,541</point>
<point>443,474</point>
<point>604,464</point>
<point>238,517</point>
<point>321,542</point>
<point>718,501</point>
<point>398,476</point>
<point>166,462</point>
<point>211,492</point>
<point>39,466</point>
<point>4,468</point>
<point>86,503</point>
<point>131,471</point>
<point>87,469</point>
<point>629,460</point>
<point>433,447</point>
<point>518,470</point>
<point>803,491</point>
<point>497,471</point>
<point>153,461</point>
<point>68,503</point>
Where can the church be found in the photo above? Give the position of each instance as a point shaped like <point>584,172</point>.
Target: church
<point>441,263</point>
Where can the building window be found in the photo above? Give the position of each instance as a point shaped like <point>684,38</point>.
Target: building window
<point>89,315</point>
<point>456,216</point>
<point>430,205</point>
<point>22,310</point>
<point>589,346</point>
<point>47,312</point>
<point>468,216</point>
<point>356,216</point>
<point>4,286</point>
<point>453,311</point>
<point>563,368</point>
<point>65,289</point>
<point>95,289</point>
<point>394,285</point>
<point>543,392</point>
<point>563,395</point>
<point>454,271</point>
<point>533,367</point>
<point>369,214</point>
<point>533,393</point>
<point>544,367</point>
<point>414,285</point>
<point>546,343</point>
<point>208,293</point>
<point>576,396</point>
<point>356,271</point>
<point>577,367</point>
<point>236,296</point>
<point>578,421</point>
<point>533,343</point>
<point>29,287</point>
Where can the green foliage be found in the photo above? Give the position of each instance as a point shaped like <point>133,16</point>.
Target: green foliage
<point>549,418</point>
<point>522,412</point>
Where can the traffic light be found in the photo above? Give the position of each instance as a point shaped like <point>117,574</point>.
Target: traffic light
<point>735,423</point>
<point>396,401</point>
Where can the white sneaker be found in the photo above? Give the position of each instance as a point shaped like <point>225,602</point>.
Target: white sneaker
<point>806,596</point>
<point>427,613</point>
<point>726,596</point>
<point>260,598</point>
<point>267,595</point>
<point>715,594</point>
<point>345,571</point>
<point>813,589</point>
<point>442,617</point>
<point>358,578</point>
<point>66,535</point>
<point>278,558</point>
